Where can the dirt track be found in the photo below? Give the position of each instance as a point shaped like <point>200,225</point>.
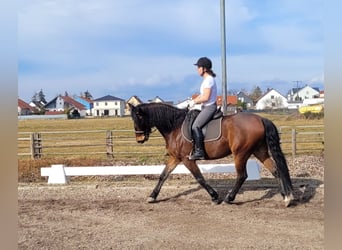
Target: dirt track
<point>115,214</point>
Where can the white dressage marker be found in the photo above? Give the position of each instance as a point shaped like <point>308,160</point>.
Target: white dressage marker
<point>57,173</point>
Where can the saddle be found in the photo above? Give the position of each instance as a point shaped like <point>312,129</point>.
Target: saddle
<point>211,131</point>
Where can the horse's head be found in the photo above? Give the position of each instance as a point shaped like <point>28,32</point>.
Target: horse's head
<point>141,125</point>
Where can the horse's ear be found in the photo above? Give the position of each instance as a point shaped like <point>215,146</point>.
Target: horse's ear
<point>131,106</point>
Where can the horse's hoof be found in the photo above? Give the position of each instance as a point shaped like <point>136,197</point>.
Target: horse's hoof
<point>151,200</point>
<point>228,199</point>
<point>288,200</point>
<point>216,201</point>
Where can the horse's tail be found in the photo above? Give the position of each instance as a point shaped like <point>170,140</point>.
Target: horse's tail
<point>273,142</point>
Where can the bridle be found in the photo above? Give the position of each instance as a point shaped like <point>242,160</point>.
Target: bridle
<point>146,133</point>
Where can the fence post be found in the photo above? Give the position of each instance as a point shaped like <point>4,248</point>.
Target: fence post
<point>294,146</point>
<point>36,146</point>
<point>109,144</point>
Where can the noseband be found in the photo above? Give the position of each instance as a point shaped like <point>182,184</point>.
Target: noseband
<point>146,133</point>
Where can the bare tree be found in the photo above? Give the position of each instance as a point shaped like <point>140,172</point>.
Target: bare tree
<point>256,93</point>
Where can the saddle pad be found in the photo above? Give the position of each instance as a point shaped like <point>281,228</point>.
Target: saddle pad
<point>211,131</point>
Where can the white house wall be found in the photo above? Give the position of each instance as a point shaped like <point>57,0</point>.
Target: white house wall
<point>263,103</point>
<point>313,101</point>
<point>59,104</point>
<point>307,93</point>
<point>110,108</point>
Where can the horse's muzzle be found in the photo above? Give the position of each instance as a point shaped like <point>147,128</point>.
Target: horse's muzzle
<point>141,138</point>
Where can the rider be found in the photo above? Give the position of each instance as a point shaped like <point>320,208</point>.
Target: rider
<point>207,99</point>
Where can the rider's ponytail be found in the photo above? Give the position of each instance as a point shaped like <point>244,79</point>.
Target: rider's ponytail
<point>211,72</point>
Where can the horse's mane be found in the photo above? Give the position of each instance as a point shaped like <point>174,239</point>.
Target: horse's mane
<point>163,116</point>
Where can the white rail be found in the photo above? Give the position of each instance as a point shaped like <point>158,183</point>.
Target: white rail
<point>57,174</point>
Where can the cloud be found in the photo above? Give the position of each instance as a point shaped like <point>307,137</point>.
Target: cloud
<point>145,45</point>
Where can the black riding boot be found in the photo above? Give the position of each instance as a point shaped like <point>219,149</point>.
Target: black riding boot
<point>198,137</point>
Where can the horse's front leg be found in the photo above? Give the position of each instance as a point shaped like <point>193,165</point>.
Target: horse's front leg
<point>193,168</point>
<point>240,167</point>
<point>170,166</point>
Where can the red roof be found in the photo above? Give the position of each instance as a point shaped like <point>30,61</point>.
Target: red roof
<point>76,104</point>
<point>231,99</point>
<point>23,104</point>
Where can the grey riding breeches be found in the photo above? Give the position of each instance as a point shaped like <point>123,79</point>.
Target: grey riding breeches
<point>204,116</point>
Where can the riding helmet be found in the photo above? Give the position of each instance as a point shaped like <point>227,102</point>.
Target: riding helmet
<point>204,62</point>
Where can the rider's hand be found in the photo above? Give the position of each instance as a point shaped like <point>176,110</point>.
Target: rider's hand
<point>191,104</point>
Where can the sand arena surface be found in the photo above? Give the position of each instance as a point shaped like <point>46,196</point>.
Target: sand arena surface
<point>115,214</point>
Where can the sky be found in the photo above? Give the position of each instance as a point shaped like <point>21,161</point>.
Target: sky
<point>148,48</point>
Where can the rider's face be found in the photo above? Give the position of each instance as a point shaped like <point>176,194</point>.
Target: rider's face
<point>200,70</point>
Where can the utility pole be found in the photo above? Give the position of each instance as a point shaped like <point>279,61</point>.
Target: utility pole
<point>297,89</point>
<point>297,83</point>
<point>223,51</point>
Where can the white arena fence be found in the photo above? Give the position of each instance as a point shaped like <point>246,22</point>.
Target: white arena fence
<point>58,174</point>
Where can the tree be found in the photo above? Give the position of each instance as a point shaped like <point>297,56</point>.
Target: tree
<point>278,102</point>
<point>34,98</point>
<point>41,96</point>
<point>39,100</point>
<point>88,95</point>
<point>241,104</point>
<point>273,103</point>
<point>256,93</point>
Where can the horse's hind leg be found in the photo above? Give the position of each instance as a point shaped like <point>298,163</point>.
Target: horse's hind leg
<point>170,166</point>
<point>270,164</point>
<point>193,168</point>
<point>241,171</point>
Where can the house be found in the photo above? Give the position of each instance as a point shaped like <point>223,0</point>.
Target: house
<point>185,103</point>
<point>87,103</point>
<point>158,99</point>
<point>134,100</point>
<point>291,95</point>
<point>38,106</point>
<point>272,99</point>
<point>294,105</point>
<point>320,95</point>
<point>231,99</point>
<point>67,105</point>
<point>313,101</point>
<point>108,106</point>
<point>245,100</point>
<point>24,108</point>
<point>300,94</point>
<point>231,102</point>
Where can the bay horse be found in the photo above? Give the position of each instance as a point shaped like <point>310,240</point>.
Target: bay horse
<point>243,135</point>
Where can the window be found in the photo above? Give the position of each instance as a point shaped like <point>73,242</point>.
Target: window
<point>105,103</point>
<point>97,104</point>
<point>272,96</point>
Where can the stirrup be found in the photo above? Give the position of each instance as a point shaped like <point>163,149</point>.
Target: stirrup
<point>193,156</point>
